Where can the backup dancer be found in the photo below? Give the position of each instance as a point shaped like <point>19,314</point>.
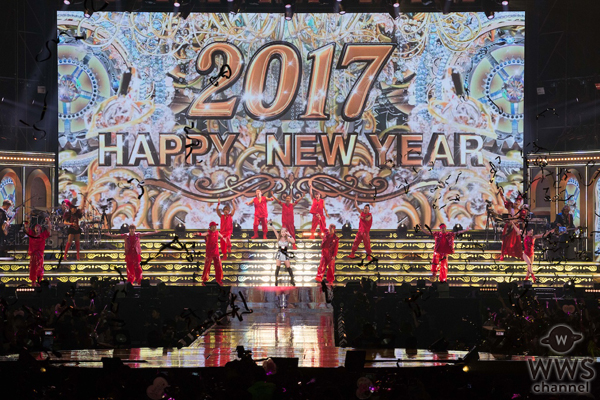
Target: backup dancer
<point>283,242</point>
<point>528,245</point>
<point>364,229</point>
<point>260,212</point>
<point>318,211</point>
<point>287,214</point>
<point>212,253</point>
<point>37,245</point>
<point>133,253</point>
<point>329,249</point>
<point>444,245</point>
<point>226,227</point>
<point>511,241</point>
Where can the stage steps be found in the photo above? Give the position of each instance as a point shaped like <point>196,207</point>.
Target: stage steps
<point>252,263</point>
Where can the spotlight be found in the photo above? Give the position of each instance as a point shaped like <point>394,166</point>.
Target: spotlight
<point>339,8</point>
<point>457,227</point>
<point>237,230</point>
<point>124,229</point>
<point>569,288</point>
<point>180,229</point>
<point>289,13</point>
<point>488,8</point>
<point>347,230</point>
<point>490,15</point>
<point>88,13</point>
<point>395,13</point>
<point>505,5</point>
<point>232,7</point>
<point>447,6</point>
<point>401,230</point>
<point>176,3</point>
<point>67,2</point>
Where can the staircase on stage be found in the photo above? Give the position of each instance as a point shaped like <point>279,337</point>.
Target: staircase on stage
<point>399,260</point>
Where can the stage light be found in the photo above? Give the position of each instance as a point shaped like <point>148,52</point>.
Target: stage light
<point>347,230</point>
<point>124,229</point>
<point>488,8</point>
<point>232,7</point>
<point>490,15</point>
<point>466,368</point>
<point>237,230</point>
<point>395,13</point>
<point>67,2</point>
<point>505,5</point>
<point>401,230</point>
<point>88,13</point>
<point>289,13</point>
<point>180,229</point>
<point>339,8</point>
<point>177,3</point>
<point>447,6</point>
<point>569,288</point>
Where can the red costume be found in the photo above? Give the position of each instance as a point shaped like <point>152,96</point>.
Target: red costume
<point>37,244</point>
<point>317,210</point>
<point>226,232</point>
<point>511,241</point>
<point>212,254</point>
<point>444,245</point>
<point>287,218</point>
<point>133,257</point>
<point>329,249</point>
<point>528,243</point>
<point>260,215</point>
<point>364,227</point>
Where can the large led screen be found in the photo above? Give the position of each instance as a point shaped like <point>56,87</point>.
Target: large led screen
<point>161,117</point>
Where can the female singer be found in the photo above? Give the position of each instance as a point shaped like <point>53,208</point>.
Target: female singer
<point>528,253</point>
<point>71,219</point>
<point>283,241</point>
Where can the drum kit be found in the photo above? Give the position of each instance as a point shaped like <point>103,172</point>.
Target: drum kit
<point>91,226</point>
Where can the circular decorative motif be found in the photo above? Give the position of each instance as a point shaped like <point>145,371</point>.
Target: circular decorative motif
<point>78,83</point>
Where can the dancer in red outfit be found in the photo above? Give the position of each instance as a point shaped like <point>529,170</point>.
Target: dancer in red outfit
<point>511,241</point>
<point>444,245</point>
<point>133,253</point>
<point>37,245</point>
<point>226,227</point>
<point>212,253</point>
<point>364,229</point>
<point>528,253</point>
<point>329,249</point>
<point>318,211</point>
<point>287,214</point>
<point>260,213</point>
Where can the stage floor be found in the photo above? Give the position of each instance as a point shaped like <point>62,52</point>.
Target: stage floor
<point>304,329</point>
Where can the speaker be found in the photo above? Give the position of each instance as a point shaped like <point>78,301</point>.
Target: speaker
<point>443,290</point>
<point>355,360</point>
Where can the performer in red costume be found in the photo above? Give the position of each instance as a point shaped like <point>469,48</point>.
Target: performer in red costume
<point>318,211</point>
<point>260,213</point>
<point>226,227</point>
<point>528,245</point>
<point>133,253</point>
<point>329,249</point>
<point>511,241</point>
<point>364,229</point>
<point>287,214</point>
<point>212,253</point>
<point>444,245</point>
<point>37,245</point>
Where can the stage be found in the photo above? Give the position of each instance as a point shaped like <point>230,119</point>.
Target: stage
<point>399,260</point>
